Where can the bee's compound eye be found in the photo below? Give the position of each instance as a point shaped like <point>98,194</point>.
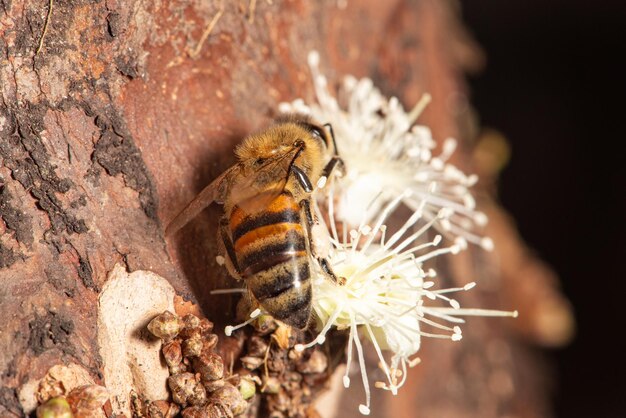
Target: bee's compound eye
<point>317,132</point>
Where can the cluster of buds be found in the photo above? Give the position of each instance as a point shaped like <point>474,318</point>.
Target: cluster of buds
<point>82,402</point>
<point>287,377</point>
<point>197,381</point>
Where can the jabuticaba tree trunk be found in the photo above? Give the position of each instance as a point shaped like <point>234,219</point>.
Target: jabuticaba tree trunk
<point>115,113</point>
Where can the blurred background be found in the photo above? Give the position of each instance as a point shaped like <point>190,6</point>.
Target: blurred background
<point>554,86</point>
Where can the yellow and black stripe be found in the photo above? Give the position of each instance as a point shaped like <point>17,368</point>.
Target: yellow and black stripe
<point>272,257</point>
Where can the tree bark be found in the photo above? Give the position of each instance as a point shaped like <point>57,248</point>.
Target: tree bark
<point>114,114</point>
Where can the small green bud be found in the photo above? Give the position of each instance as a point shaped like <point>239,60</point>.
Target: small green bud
<point>55,408</point>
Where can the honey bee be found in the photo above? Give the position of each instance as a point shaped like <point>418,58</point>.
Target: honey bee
<point>267,234</point>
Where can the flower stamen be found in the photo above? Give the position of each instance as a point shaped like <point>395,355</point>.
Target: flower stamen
<point>229,329</point>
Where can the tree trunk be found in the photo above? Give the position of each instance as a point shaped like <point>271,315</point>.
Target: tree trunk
<point>114,114</point>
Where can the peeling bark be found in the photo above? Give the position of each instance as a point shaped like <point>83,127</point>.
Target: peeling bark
<point>127,111</point>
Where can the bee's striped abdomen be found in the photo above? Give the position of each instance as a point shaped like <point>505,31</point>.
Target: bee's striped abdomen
<point>272,256</point>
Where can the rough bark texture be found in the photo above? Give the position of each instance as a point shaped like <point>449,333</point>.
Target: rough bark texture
<point>127,110</point>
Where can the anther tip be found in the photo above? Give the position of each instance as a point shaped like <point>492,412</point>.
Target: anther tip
<point>461,242</point>
<point>481,219</point>
<point>469,286</point>
<point>445,213</point>
<point>487,244</point>
<point>314,58</point>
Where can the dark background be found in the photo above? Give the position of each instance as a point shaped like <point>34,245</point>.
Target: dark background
<point>555,86</point>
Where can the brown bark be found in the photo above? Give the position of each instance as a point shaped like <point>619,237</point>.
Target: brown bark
<point>128,109</point>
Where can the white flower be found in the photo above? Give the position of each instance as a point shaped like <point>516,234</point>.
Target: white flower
<point>386,294</point>
<point>386,153</point>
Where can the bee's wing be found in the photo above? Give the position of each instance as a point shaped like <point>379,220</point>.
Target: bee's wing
<point>257,190</point>
<point>208,195</point>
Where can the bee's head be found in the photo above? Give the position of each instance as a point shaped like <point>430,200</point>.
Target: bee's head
<point>317,133</point>
<point>289,132</point>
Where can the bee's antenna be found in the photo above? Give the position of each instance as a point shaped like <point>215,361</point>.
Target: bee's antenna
<point>332,136</point>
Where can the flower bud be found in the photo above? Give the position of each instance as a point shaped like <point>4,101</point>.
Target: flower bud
<point>251,363</point>
<point>281,401</point>
<point>205,326</point>
<point>178,369</point>
<point>186,389</point>
<point>49,388</point>
<point>216,410</point>
<point>172,353</point>
<point>162,409</point>
<point>257,347</point>
<point>316,363</point>
<point>247,387</point>
<point>270,385</point>
<point>165,326</point>
<point>276,362</point>
<point>86,400</point>
<point>192,347</point>
<point>209,365</point>
<point>213,385</point>
<point>191,321</point>
<point>55,408</point>
<point>195,412</point>
<point>209,342</point>
<point>229,396</point>
<point>291,381</point>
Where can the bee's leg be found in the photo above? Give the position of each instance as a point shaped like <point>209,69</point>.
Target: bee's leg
<point>325,265</point>
<point>311,224</point>
<point>316,249</point>
<point>231,257</point>
<point>336,160</point>
<point>302,178</point>
<point>334,163</point>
